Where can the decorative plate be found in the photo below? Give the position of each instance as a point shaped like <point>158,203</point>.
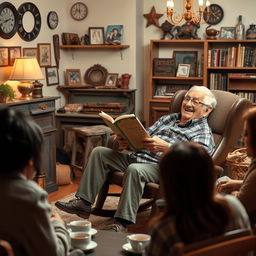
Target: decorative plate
<point>96,75</point>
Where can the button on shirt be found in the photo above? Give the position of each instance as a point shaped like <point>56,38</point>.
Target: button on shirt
<point>169,129</point>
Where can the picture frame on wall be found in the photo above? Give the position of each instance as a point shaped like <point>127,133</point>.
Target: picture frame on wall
<point>52,75</point>
<point>187,57</point>
<point>183,70</point>
<point>14,52</point>
<point>111,79</point>
<point>114,34</point>
<point>73,77</point>
<point>227,33</point>
<point>30,52</point>
<point>4,56</point>
<point>44,54</point>
<point>96,35</point>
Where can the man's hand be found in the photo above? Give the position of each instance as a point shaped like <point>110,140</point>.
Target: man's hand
<point>56,217</point>
<point>123,144</point>
<point>229,186</point>
<point>155,144</point>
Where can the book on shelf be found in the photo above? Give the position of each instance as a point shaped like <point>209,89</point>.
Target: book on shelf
<point>242,75</point>
<point>164,67</point>
<point>129,127</point>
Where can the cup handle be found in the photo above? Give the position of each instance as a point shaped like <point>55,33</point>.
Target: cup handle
<point>141,247</point>
<point>127,238</point>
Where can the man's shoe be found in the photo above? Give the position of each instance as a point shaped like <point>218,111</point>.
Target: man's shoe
<point>116,227</point>
<point>75,206</point>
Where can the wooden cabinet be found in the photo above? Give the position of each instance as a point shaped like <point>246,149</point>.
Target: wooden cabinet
<point>238,79</point>
<point>43,112</point>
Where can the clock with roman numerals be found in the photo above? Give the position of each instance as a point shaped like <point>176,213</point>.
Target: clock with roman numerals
<point>23,9</point>
<point>216,14</point>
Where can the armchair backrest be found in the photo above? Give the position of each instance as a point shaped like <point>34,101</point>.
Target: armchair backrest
<point>225,120</point>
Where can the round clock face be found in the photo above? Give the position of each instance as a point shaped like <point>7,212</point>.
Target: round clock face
<point>216,14</point>
<point>8,20</point>
<point>29,35</point>
<point>52,20</point>
<point>79,11</point>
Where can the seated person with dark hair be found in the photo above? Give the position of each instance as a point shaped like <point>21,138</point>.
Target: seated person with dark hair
<point>26,221</point>
<point>141,167</point>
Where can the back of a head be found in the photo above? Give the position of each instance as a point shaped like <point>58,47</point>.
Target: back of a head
<point>21,140</point>
<point>187,174</point>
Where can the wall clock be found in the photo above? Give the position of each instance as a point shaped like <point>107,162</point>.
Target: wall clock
<point>29,35</point>
<point>216,14</point>
<point>79,11</point>
<point>52,20</point>
<point>8,20</point>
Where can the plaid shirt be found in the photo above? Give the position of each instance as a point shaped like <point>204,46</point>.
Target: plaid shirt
<point>169,129</point>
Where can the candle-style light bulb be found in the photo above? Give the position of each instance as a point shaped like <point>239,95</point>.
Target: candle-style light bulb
<point>200,2</point>
<point>170,4</point>
<point>207,3</point>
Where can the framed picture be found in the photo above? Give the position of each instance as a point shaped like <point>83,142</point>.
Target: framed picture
<point>114,34</point>
<point>52,75</point>
<point>183,70</point>
<point>30,52</point>
<point>111,79</point>
<point>14,52</point>
<point>96,35</point>
<point>4,56</point>
<point>227,33</point>
<point>73,77</point>
<point>44,54</point>
<point>186,57</point>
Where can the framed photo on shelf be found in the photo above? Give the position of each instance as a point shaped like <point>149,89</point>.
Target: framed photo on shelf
<point>183,70</point>
<point>73,77</point>
<point>14,52</point>
<point>227,33</point>
<point>44,54</point>
<point>111,79</point>
<point>114,34</point>
<point>96,35</point>
<point>52,75</point>
<point>186,57</point>
<point>30,52</point>
<point>160,91</point>
<point>4,56</point>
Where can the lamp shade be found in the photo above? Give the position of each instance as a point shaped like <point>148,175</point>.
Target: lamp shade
<point>26,69</point>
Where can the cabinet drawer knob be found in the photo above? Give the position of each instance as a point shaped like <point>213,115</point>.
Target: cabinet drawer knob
<point>43,106</point>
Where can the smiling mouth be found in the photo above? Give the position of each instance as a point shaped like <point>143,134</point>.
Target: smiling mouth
<point>189,110</point>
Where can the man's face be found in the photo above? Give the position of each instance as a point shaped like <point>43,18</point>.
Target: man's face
<point>192,107</point>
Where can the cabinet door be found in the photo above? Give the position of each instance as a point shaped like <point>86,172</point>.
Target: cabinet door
<point>158,109</point>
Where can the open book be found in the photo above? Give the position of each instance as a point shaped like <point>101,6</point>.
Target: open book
<point>129,127</point>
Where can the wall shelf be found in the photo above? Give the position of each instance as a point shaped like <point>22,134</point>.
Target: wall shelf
<point>90,47</point>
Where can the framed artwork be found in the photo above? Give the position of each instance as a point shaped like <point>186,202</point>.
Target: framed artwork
<point>227,33</point>
<point>14,52</point>
<point>114,34</point>
<point>186,57</point>
<point>4,56</point>
<point>44,54</point>
<point>183,70</point>
<point>30,52</point>
<point>73,77</point>
<point>52,75</point>
<point>96,35</point>
<point>111,79</point>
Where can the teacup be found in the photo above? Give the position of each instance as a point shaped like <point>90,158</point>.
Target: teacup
<point>80,225</point>
<point>80,240</point>
<point>138,242</point>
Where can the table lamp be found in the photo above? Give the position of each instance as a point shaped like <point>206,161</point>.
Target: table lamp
<point>26,70</point>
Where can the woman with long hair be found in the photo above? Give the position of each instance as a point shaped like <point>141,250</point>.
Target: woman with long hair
<point>192,211</point>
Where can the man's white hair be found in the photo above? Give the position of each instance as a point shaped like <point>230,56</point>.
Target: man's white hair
<point>209,98</point>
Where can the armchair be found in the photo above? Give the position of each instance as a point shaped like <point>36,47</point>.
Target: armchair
<point>226,124</point>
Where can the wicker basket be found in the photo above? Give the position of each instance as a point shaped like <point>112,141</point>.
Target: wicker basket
<point>237,162</point>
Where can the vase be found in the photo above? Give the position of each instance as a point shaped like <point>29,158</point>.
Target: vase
<point>125,81</point>
<point>251,32</point>
<point>239,31</point>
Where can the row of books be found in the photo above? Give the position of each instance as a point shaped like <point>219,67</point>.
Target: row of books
<point>248,95</point>
<point>167,91</point>
<point>242,75</point>
<point>218,81</point>
<point>240,56</point>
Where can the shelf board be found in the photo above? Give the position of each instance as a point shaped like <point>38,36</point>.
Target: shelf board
<point>90,47</point>
<point>233,68</point>
<point>177,78</point>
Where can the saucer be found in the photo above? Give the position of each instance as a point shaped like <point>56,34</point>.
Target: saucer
<point>93,231</point>
<point>127,247</point>
<point>89,246</point>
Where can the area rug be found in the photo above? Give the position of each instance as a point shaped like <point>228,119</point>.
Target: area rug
<point>98,222</point>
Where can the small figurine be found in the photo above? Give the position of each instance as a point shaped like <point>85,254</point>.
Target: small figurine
<point>167,29</point>
<point>187,31</point>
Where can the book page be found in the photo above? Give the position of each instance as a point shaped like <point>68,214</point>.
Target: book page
<point>133,130</point>
<point>124,117</point>
<point>109,121</point>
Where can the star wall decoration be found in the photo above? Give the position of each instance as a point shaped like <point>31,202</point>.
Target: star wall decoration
<point>153,17</point>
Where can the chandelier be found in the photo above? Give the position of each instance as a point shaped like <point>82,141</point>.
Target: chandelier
<point>189,16</point>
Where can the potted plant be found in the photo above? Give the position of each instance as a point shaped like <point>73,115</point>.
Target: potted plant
<point>6,92</point>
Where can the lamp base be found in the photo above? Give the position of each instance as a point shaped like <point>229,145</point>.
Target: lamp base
<point>25,88</point>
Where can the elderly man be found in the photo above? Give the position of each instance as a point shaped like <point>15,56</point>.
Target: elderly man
<point>141,167</point>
